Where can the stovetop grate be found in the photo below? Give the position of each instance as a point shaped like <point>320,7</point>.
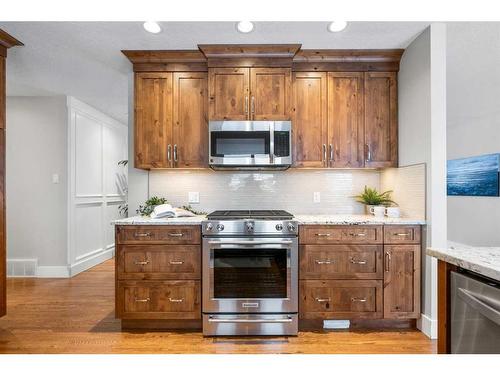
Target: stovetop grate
<point>250,214</point>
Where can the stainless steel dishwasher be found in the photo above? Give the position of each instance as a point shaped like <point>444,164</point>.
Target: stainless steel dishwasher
<point>475,314</point>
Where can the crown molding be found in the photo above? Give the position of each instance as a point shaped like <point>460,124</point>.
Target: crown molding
<point>7,41</point>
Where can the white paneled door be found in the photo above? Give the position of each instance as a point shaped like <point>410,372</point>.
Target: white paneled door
<point>96,144</point>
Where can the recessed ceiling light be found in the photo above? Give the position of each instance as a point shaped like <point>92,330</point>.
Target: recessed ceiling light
<point>336,26</point>
<point>244,26</point>
<point>152,27</point>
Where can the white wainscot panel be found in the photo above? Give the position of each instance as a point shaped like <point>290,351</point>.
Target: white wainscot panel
<point>88,154</point>
<point>110,215</point>
<point>88,230</point>
<point>114,151</point>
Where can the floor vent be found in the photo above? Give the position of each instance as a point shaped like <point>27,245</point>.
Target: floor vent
<point>336,324</point>
<point>22,267</point>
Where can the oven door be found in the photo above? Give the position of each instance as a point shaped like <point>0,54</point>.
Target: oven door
<point>250,275</point>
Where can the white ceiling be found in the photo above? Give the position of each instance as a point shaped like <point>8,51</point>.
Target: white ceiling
<point>83,59</point>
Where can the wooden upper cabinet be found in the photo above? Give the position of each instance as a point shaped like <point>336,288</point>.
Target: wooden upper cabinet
<point>345,119</point>
<point>153,120</point>
<point>309,119</point>
<point>270,93</point>
<point>402,281</point>
<point>190,120</point>
<point>381,127</point>
<point>229,93</point>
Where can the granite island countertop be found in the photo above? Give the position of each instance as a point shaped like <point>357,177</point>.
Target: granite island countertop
<point>482,260</point>
<point>302,219</point>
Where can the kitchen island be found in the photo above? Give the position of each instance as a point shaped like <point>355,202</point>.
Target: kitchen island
<point>474,261</point>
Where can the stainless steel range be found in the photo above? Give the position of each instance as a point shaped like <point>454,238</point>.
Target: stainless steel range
<point>250,273</point>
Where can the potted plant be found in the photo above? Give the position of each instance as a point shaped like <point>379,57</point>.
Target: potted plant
<point>371,197</point>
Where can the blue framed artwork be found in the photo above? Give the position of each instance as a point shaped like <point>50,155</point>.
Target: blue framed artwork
<point>474,176</point>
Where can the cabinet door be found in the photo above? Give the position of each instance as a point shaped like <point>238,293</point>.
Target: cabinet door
<point>270,93</point>
<point>401,281</point>
<point>345,120</point>
<point>190,128</point>
<point>229,93</point>
<point>309,126</point>
<point>381,127</point>
<point>153,120</point>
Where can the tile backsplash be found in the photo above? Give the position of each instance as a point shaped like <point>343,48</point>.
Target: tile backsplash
<point>290,190</point>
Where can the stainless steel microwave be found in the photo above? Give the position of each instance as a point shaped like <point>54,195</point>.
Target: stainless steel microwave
<point>250,145</point>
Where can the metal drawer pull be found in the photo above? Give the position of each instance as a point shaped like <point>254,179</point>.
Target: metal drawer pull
<point>215,320</point>
<point>142,300</point>
<point>141,263</point>
<point>354,299</point>
<point>177,262</point>
<point>323,299</point>
<point>142,234</point>
<point>401,234</point>
<point>357,234</point>
<point>176,300</point>
<point>176,234</point>
<point>354,261</point>
<point>323,234</point>
<point>324,262</point>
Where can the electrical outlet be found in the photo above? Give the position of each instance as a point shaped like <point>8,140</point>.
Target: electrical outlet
<point>194,197</point>
<point>55,178</point>
<point>316,197</point>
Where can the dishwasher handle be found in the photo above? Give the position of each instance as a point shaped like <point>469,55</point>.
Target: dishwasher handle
<point>475,301</point>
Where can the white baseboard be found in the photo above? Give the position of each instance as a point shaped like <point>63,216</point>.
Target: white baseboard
<point>428,326</point>
<point>95,259</point>
<point>52,271</point>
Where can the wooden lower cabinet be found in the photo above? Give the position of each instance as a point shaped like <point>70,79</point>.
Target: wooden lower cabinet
<point>340,299</point>
<point>159,299</point>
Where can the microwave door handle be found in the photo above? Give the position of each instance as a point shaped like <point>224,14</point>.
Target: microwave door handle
<point>271,142</point>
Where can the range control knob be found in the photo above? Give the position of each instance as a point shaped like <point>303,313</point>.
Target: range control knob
<point>250,227</point>
<point>279,227</point>
<point>291,227</point>
<point>209,227</point>
<point>220,227</point>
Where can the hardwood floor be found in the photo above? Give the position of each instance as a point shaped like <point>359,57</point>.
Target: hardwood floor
<point>77,316</point>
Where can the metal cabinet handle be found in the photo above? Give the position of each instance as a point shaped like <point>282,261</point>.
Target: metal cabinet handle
<point>175,153</point>
<point>323,234</point>
<point>142,234</point>
<point>211,319</point>
<point>176,234</point>
<point>141,263</point>
<point>174,300</point>
<point>246,104</point>
<point>324,261</point>
<point>176,262</point>
<point>357,234</point>
<point>323,299</point>
<point>331,152</point>
<point>368,152</point>
<point>169,152</point>
<point>143,300</point>
<point>253,104</point>
<point>354,299</point>
<point>324,153</point>
<point>354,261</point>
<point>387,261</point>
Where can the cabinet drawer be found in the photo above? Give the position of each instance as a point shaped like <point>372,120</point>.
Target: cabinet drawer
<point>325,234</point>
<point>340,299</point>
<point>158,300</point>
<point>398,234</point>
<point>341,262</point>
<point>168,234</point>
<point>149,262</point>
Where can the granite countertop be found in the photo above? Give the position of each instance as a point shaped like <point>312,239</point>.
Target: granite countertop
<point>482,260</point>
<point>302,219</point>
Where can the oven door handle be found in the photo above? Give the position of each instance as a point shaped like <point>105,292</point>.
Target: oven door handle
<point>286,242</point>
<point>215,320</point>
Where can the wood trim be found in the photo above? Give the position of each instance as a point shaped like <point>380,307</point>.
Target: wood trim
<point>249,55</point>
<point>7,41</point>
<point>344,60</point>
<point>167,61</point>
<point>162,324</point>
<point>444,339</point>
<point>3,232</point>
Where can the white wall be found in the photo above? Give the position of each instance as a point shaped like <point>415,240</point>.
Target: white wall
<point>96,144</point>
<point>36,207</point>
<point>422,139</point>
<point>473,111</point>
